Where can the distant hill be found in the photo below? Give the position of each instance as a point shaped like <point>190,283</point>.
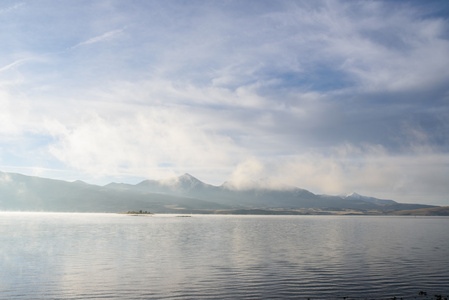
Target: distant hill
<point>184,194</point>
<point>429,211</point>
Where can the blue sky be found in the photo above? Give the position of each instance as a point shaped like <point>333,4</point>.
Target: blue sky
<point>330,96</point>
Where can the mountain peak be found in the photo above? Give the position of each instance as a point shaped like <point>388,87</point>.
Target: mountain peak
<point>80,182</point>
<point>188,181</point>
<point>354,195</point>
<point>187,176</point>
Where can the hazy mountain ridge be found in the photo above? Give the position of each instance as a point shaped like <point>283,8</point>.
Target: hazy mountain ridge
<point>29,193</point>
<point>180,194</point>
<point>263,198</point>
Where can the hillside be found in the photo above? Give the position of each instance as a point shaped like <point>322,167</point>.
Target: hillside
<point>27,193</point>
<point>429,211</point>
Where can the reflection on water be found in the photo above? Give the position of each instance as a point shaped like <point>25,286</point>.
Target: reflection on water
<point>51,255</point>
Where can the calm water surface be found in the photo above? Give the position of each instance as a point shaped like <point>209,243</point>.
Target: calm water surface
<point>85,256</point>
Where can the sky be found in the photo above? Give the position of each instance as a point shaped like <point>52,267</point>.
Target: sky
<point>330,96</point>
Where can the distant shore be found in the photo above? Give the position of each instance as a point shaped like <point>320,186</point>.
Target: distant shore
<point>432,211</point>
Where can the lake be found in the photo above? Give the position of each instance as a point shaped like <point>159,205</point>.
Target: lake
<point>85,256</point>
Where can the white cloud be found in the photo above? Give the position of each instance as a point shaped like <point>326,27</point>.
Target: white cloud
<point>153,143</point>
<point>244,175</point>
<point>14,113</point>
<point>368,169</point>
<point>4,178</point>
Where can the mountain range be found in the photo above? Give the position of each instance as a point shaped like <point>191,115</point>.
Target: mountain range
<point>183,194</point>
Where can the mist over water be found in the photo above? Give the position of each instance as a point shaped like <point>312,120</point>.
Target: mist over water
<point>84,256</point>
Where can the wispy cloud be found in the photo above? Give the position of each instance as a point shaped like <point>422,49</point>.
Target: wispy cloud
<point>11,8</point>
<point>13,64</point>
<point>101,38</point>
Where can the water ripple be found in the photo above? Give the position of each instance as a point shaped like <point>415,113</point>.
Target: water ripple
<point>85,256</point>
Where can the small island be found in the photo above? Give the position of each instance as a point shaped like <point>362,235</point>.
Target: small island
<point>136,213</point>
